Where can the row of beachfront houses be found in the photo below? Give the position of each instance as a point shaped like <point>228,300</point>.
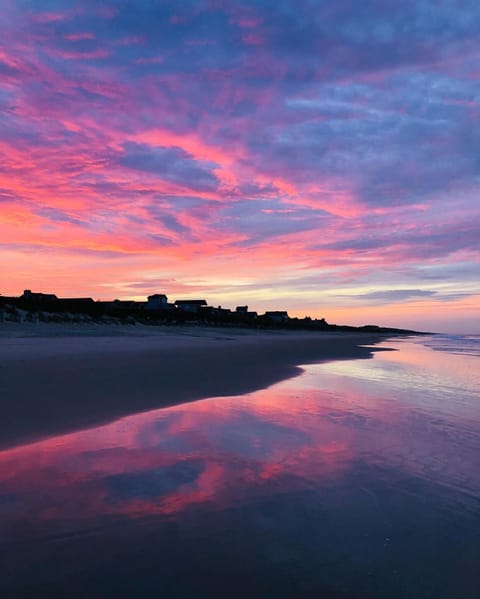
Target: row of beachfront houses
<point>157,305</point>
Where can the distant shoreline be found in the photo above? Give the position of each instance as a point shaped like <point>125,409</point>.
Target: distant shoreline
<point>61,378</point>
<point>43,308</point>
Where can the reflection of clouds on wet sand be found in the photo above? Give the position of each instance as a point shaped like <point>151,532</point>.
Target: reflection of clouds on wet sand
<point>223,451</point>
<point>332,473</point>
<point>159,462</point>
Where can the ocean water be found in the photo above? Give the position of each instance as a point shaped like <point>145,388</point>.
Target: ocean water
<point>357,479</point>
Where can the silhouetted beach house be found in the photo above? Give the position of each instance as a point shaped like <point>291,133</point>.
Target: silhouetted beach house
<point>75,304</point>
<point>124,305</point>
<point>190,305</point>
<point>49,302</point>
<point>158,301</point>
<point>242,313</point>
<point>7,299</point>
<point>38,298</point>
<point>277,316</point>
<point>217,312</point>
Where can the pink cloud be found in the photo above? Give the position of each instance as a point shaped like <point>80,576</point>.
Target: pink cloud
<point>48,17</point>
<point>86,55</point>
<point>75,37</point>
<point>316,163</point>
<point>253,39</point>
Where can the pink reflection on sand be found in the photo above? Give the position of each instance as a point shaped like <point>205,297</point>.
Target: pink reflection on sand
<point>308,433</point>
<point>236,445</point>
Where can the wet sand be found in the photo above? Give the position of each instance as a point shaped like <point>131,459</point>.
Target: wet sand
<point>59,378</point>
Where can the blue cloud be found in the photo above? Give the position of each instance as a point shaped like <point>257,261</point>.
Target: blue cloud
<point>171,164</point>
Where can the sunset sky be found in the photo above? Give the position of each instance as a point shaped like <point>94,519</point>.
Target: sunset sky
<point>320,156</point>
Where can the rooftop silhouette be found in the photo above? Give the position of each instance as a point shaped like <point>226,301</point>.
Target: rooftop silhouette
<point>156,310</point>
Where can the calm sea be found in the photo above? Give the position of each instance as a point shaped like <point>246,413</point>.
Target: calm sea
<point>357,479</point>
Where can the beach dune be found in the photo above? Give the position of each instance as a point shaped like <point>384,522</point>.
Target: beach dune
<point>57,379</point>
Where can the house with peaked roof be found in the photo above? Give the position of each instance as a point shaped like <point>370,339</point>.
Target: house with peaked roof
<point>158,301</point>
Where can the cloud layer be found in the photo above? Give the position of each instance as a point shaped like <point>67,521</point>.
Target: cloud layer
<point>242,151</point>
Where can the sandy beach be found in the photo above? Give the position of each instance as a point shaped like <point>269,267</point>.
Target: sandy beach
<point>58,378</point>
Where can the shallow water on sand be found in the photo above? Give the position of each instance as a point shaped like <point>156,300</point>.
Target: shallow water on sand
<point>359,478</point>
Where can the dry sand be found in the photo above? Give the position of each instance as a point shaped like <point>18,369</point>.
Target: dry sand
<point>58,378</point>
